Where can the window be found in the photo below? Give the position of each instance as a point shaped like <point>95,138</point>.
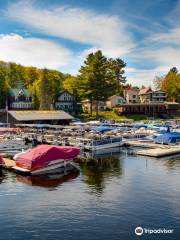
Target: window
<point>134,96</point>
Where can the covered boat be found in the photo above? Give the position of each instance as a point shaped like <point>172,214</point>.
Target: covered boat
<point>168,138</point>
<point>45,158</point>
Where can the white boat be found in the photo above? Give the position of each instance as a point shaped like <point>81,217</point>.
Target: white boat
<point>104,143</point>
<point>45,158</point>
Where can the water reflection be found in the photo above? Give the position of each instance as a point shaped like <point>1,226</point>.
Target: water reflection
<point>172,162</point>
<point>99,168</point>
<point>51,180</point>
<point>1,176</point>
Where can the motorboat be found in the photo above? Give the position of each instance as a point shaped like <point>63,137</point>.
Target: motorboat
<point>45,158</point>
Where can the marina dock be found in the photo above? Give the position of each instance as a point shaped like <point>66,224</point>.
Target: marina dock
<point>159,152</point>
<point>8,163</point>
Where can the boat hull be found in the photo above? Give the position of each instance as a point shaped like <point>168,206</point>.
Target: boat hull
<point>57,164</point>
<point>104,146</point>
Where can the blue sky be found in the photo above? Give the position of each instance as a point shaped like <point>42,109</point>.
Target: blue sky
<point>59,34</point>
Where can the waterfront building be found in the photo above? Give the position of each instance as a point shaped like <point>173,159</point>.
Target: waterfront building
<point>67,102</point>
<point>19,99</point>
<point>146,95</point>
<point>38,117</point>
<point>157,109</point>
<point>115,100</point>
<point>86,106</point>
<point>131,95</point>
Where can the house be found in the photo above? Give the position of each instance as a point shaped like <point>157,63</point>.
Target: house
<point>86,106</point>
<point>158,96</point>
<point>146,95</point>
<point>131,95</point>
<point>114,101</point>
<point>19,99</point>
<point>67,102</point>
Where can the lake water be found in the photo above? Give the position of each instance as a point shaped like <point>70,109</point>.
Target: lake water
<point>107,200</point>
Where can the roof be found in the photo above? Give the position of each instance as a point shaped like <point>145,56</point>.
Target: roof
<point>15,91</point>
<point>151,103</point>
<point>131,90</point>
<point>144,90</point>
<point>115,96</point>
<point>40,115</point>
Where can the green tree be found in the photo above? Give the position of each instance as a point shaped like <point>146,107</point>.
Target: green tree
<point>44,91</point>
<point>3,87</point>
<point>97,79</point>
<point>117,67</point>
<point>72,83</point>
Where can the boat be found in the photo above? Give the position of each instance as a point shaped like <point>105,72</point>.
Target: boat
<point>45,158</point>
<point>1,163</point>
<point>168,138</point>
<point>107,142</point>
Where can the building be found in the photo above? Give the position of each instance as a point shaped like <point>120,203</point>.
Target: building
<point>146,95</point>
<point>157,109</point>
<point>131,95</point>
<point>158,96</point>
<point>114,100</point>
<point>35,117</point>
<point>86,106</point>
<point>19,99</point>
<point>67,102</point>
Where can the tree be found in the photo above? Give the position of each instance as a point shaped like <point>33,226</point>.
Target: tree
<point>3,87</point>
<point>117,66</point>
<point>49,88</point>
<point>97,79</point>
<point>72,83</point>
<point>44,90</point>
<point>170,84</point>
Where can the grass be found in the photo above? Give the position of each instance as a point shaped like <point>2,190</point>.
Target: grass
<point>110,115</point>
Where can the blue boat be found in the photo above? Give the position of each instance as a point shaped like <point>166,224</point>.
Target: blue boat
<point>168,138</point>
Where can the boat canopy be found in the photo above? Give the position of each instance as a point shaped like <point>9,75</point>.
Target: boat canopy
<point>169,137</point>
<point>41,155</point>
<point>103,129</point>
<point>10,130</point>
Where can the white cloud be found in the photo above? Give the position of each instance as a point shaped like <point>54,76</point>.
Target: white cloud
<point>101,31</point>
<point>145,77</point>
<point>33,51</point>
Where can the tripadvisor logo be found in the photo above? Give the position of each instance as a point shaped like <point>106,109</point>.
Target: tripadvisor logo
<point>139,231</point>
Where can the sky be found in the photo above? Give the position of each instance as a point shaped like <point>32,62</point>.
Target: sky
<point>58,34</point>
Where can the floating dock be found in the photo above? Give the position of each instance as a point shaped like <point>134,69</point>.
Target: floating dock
<point>8,163</point>
<point>159,152</point>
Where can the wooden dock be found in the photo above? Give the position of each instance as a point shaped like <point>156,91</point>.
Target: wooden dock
<point>8,163</point>
<point>159,152</point>
<point>144,144</point>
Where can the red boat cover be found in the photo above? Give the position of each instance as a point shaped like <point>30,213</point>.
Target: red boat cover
<point>41,155</point>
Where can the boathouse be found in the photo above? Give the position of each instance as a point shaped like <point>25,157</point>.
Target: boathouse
<point>32,117</point>
<point>149,108</point>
